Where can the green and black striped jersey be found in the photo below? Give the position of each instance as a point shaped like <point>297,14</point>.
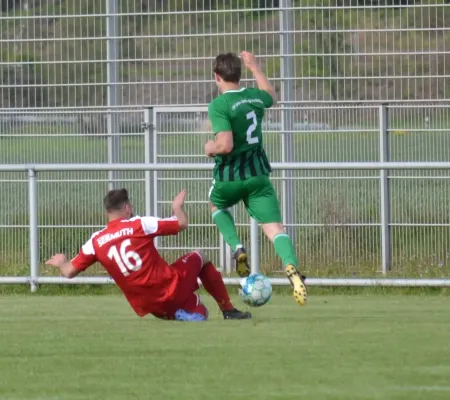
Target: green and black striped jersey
<point>241,112</point>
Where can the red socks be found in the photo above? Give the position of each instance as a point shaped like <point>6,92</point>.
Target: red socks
<point>213,283</point>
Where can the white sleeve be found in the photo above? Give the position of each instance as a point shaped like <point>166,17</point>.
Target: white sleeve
<point>160,226</point>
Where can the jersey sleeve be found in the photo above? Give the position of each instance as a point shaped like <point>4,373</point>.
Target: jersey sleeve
<point>160,226</point>
<point>266,98</point>
<point>218,116</point>
<point>86,256</point>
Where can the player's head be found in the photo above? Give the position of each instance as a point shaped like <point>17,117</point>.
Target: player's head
<point>227,70</point>
<point>117,204</point>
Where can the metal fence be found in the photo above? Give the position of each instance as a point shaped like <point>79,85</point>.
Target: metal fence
<point>346,223</point>
<point>96,53</point>
<point>35,277</point>
<point>334,217</point>
<point>76,80</point>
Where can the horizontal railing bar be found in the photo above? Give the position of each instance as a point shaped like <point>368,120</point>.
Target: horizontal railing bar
<point>79,135</point>
<point>208,179</point>
<point>351,282</point>
<point>272,78</point>
<point>300,225</point>
<point>202,107</point>
<point>211,58</point>
<point>187,248</point>
<point>169,13</point>
<point>218,34</point>
<point>74,109</point>
<point>270,131</point>
<point>210,166</point>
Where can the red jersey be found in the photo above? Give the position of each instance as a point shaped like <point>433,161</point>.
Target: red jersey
<point>125,249</point>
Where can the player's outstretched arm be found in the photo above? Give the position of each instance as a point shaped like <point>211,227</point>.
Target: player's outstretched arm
<point>178,210</point>
<point>66,267</point>
<point>261,80</point>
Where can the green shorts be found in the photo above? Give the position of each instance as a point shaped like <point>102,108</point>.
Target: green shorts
<point>257,193</point>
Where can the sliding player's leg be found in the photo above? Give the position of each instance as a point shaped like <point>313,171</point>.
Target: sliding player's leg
<point>196,265</point>
<point>213,283</point>
<point>187,305</point>
<point>262,205</point>
<point>192,310</point>
<point>222,196</point>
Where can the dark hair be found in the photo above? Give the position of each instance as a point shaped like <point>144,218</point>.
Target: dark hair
<point>115,199</point>
<point>228,67</point>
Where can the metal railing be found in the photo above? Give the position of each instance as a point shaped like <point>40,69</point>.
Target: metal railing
<point>34,279</point>
<point>112,52</point>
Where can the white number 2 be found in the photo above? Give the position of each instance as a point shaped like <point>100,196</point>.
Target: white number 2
<point>123,258</point>
<point>251,128</point>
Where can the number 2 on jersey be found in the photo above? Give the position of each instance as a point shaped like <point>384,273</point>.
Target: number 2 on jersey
<point>123,258</point>
<point>251,128</point>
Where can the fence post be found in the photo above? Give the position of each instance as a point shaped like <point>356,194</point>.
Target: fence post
<point>34,234</point>
<point>155,183</point>
<point>287,120</point>
<point>385,206</point>
<point>112,73</point>
<point>254,246</point>
<point>148,159</point>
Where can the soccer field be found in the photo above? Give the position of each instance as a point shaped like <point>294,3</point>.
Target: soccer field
<point>337,347</point>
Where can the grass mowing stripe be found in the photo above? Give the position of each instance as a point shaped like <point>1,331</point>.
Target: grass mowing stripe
<point>337,347</point>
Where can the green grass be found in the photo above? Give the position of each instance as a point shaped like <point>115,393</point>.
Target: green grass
<point>338,347</point>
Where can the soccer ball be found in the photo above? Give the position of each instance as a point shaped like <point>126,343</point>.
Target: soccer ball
<point>255,290</point>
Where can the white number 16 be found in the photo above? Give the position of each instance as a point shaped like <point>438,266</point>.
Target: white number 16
<point>123,258</point>
<point>251,128</point>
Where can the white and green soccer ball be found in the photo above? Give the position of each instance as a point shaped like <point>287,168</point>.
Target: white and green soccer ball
<point>255,290</point>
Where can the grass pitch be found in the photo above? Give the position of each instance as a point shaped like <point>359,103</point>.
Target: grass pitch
<point>337,347</point>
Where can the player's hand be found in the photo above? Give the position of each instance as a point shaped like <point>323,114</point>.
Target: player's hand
<point>249,60</point>
<point>57,260</point>
<point>178,201</point>
<point>210,148</point>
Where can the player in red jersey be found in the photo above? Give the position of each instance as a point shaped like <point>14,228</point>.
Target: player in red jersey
<point>125,249</point>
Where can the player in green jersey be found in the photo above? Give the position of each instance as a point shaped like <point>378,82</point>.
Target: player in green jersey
<point>242,169</point>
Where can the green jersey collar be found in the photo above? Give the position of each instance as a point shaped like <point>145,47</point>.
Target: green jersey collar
<point>234,90</point>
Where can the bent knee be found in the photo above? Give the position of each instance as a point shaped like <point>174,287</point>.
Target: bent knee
<point>212,207</point>
<point>273,229</point>
<point>203,256</point>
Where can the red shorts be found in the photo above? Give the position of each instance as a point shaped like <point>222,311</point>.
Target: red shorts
<point>188,268</point>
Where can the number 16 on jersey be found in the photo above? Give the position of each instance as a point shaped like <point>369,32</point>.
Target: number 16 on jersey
<point>123,258</point>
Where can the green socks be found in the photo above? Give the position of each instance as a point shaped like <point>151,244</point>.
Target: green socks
<point>225,224</point>
<point>285,249</point>
<point>282,242</point>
